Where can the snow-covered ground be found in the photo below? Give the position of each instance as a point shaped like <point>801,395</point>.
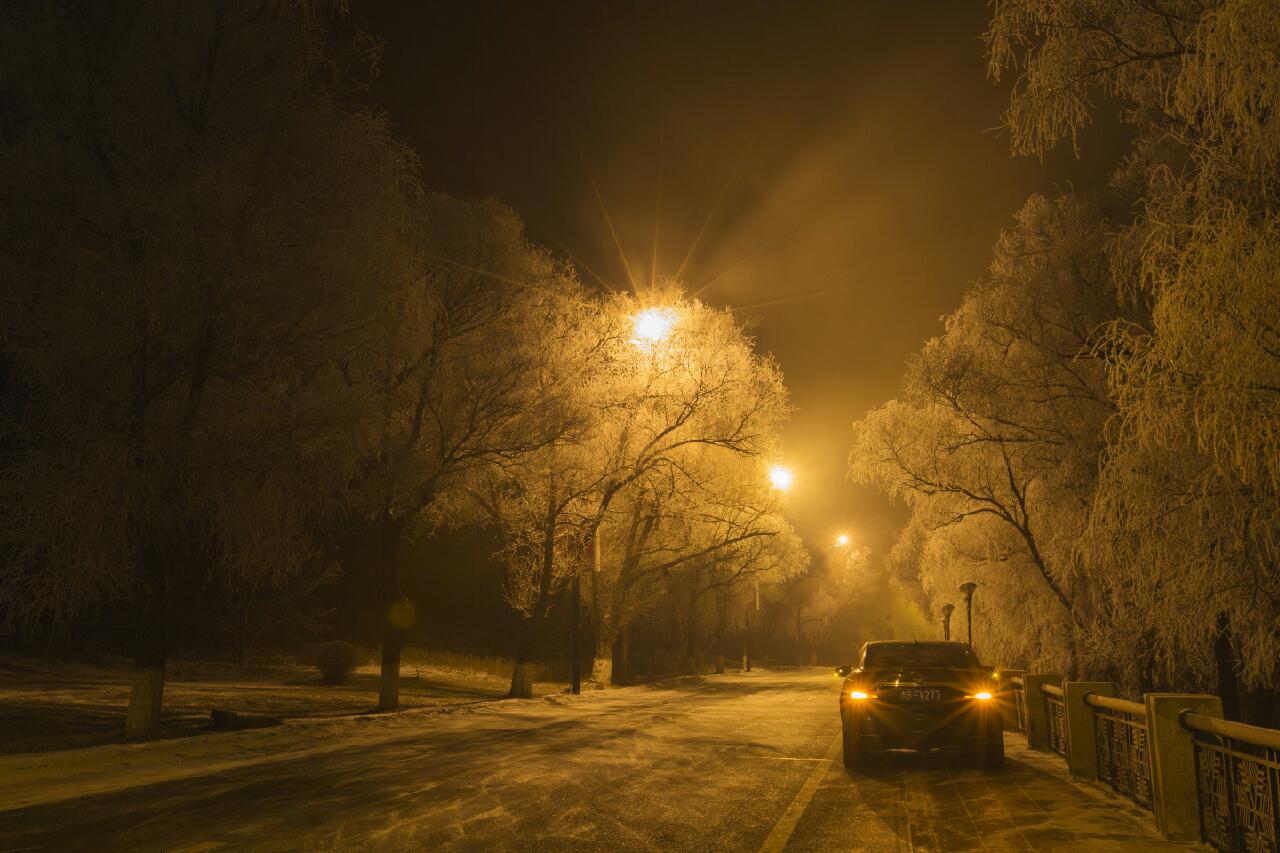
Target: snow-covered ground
<point>736,762</point>
<point>45,706</point>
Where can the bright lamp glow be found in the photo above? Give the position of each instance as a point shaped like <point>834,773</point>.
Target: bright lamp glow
<point>857,694</point>
<point>842,540</point>
<point>781,478</point>
<point>983,696</point>
<point>654,324</point>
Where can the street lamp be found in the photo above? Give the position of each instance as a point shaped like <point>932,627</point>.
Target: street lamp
<point>842,540</point>
<point>946,620</point>
<point>653,325</point>
<point>967,588</point>
<point>781,478</point>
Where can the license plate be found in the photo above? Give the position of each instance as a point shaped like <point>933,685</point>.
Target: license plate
<point>919,694</point>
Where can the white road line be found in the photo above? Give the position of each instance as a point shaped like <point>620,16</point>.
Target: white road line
<point>786,824</point>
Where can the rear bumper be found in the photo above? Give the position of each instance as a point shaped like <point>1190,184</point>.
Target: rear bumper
<point>962,726</point>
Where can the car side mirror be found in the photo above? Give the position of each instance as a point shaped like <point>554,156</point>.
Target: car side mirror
<point>843,671</point>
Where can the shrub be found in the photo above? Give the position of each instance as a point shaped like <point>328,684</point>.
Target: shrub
<point>337,659</point>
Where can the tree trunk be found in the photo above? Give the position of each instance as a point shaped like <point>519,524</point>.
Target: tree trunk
<point>1073,648</point>
<point>799,638</point>
<point>521,680</point>
<point>388,545</point>
<point>719,664</point>
<point>389,676</point>
<point>526,652</point>
<point>623,675</point>
<point>142,719</point>
<point>602,666</point>
<point>1225,658</point>
<point>691,653</point>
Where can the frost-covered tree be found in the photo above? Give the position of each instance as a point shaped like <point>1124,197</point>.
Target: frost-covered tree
<point>1067,53</point>
<point>458,377</point>
<point>676,537</point>
<point>646,473</point>
<point>995,441</point>
<point>545,500</point>
<point>1188,509</point>
<point>196,225</point>
<point>695,407</point>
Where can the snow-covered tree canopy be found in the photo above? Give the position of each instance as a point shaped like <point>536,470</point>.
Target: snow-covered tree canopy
<point>1126,449</point>
<point>995,441</point>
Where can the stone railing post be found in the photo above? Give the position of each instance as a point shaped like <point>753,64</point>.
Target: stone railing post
<point>1082,732</point>
<point>1008,707</point>
<point>1173,761</point>
<point>1037,717</point>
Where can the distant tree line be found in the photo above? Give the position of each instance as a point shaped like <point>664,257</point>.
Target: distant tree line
<point>245,352</point>
<point>1095,437</point>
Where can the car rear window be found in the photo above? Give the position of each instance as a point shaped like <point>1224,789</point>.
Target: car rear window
<point>922,655</point>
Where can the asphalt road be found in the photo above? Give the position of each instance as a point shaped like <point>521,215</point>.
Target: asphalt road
<point>737,762</point>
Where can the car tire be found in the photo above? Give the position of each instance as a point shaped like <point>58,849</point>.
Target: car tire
<point>855,754</point>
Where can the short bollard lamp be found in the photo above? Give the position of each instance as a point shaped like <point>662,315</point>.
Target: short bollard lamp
<point>947,610</point>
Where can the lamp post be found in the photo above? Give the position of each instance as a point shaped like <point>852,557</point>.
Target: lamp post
<point>781,479</point>
<point>967,588</point>
<point>946,620</point>
<point>651,327</point>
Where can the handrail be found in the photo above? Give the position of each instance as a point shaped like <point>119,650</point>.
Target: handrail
<point>1256,735</point>
<point>1051,689</point>
<point>1111,703</point>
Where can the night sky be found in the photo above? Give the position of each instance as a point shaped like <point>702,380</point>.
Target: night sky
<point>829,169</point>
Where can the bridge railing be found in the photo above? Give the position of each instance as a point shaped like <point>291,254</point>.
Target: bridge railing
<point>1237,783</point>
<point>1202,777</point>
<point>1055,712</point>
<point>1124,759</point>
<point>1018,695</point>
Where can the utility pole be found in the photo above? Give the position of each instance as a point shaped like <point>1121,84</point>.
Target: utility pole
<point>967,588</point>
<point>946,620</point>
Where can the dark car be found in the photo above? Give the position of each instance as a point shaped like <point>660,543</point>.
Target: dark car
<point>929,697</point>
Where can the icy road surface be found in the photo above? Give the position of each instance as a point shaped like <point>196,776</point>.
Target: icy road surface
<point>735,762</point>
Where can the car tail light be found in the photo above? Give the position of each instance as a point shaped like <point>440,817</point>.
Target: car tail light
<point>857,694</point>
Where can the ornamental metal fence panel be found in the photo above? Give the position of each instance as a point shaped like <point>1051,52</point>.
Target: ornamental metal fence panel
<point>1056,718</point>
<point>1019,703</point>
<point>1237,783</point>
<point>1124,760</point>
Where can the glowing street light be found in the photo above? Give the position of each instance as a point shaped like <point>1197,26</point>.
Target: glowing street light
<point>842,540</point>
<point>653,325</point>
<point>781,478</point>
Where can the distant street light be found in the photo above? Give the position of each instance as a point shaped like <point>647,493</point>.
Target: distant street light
<point>946,620</point>
<point>842,540</point>
<point>781,478</point>
<point>967,588</point>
